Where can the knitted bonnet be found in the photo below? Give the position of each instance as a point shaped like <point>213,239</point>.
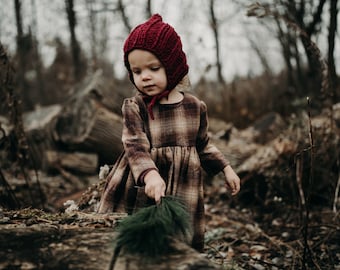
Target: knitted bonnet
<point>160,39</point>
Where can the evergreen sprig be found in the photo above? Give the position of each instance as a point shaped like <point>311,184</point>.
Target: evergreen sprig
<point>147,231</point>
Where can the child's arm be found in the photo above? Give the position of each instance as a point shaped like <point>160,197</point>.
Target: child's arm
<point>135,140</point>
<point>232,180</point>
<point>154,185</point>
<point>137,148</point>
<point>212,160</point>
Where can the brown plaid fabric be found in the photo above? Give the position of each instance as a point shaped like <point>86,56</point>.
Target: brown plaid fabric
<point>175,143</point>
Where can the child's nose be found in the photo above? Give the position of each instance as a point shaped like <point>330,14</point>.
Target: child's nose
<point>145,75</point>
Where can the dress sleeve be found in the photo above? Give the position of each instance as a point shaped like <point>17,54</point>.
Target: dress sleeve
<point>212,160</point>
<point>135,141</point>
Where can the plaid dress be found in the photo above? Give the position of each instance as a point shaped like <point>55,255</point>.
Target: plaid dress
<point>175,143</point>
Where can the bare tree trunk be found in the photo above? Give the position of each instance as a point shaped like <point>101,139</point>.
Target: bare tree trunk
<point>20,33</point>
<point>37,59</point>
<point>92,19</point>
<point>71,16</point>
<point>300,77</point>
<point>286,52</point>
<point>331,44</point>
<point>148,9</point>
<point>310,29</point>
<point>214,26</point>
<point>126,21</point>
<point>19,152</point>
<point>103,37</point>
<point>295,15</point>
<point>21,52</point>
<point>261,56</point>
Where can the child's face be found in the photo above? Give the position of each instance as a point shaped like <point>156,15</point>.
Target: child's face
<point>148,72</point>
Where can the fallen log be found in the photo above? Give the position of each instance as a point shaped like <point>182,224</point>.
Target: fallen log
<point>33,239</point>
<point>86,124</point>
<point>101,88</point>
<point>83,163</point>
<point>37,126</point>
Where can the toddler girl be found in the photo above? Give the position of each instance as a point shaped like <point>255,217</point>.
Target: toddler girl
<point>165,132</point>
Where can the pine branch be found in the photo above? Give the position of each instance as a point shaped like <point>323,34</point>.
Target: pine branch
<point>147,232</point>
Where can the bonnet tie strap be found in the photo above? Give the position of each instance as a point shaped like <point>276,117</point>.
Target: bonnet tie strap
<point>153,99</point>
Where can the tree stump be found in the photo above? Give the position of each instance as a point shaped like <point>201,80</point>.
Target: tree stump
<point>81,163</point>
<point>37,126</point>
<point>87,124</point>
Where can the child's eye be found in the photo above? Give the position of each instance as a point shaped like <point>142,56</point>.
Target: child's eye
<point>136,71</point>
<point>155,68</point>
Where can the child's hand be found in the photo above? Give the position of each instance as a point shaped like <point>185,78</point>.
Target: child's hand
<point>154,185</point>
<point>232,180</point>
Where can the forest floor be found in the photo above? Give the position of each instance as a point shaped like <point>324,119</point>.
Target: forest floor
<point>255,237</point>
<point>275,236</point>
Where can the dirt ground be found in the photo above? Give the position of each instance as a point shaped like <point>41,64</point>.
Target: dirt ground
<point>271,236</point>
<point>256,236</point>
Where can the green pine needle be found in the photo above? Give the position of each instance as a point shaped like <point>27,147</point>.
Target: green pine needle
<point>147,231</point>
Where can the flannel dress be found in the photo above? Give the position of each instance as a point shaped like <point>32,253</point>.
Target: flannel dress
<point>175,143</point>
